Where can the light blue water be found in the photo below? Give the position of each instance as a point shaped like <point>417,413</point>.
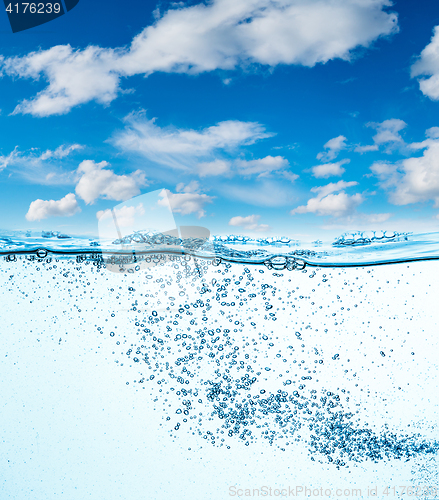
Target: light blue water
<point>322,358</point>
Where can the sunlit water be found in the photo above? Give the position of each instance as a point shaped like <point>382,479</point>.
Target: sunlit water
<point>220,371</point>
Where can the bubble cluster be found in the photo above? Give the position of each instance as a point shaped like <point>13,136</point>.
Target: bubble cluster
<point>239,354</point>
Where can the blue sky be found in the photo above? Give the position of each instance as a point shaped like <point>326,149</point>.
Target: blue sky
<point>263,117</point>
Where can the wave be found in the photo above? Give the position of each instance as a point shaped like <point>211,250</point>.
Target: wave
<point>348,250</point>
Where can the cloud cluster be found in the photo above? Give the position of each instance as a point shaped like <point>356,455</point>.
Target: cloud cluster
<point>205,152</point>
<point>249,223</point>
<point>41,168</point>
<point>93,180</point>
<point>182,149</point>
<point>387,134</point>
<point>222,34</point>
<point>42,209</point>
<point>328,203</point>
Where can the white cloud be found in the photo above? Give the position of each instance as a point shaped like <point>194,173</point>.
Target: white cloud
<point>222,34</point>
<point>328,169</point>
<point>428,65</point>
<point>333,187</point>
<point>187,200</point>
<point>337,205</point>
<point>327,203</point>
<point>42,209</point>
<point>366,149</point>
<point>74,76</point>
<point>183,148</point>
<point>40,168</point>
<point>333,147</point>
<point>387,132</point>
<point>288,146</point>
<point>414,179</point>
<point>213,168</point>
<point>192,187</point>
<point>249,223</point>
<point>60,152</point>
<point>95,181</point>
<point>432,133</point>
<point>262,166</point>
<point>288,175</point>
<point>386,172</point>
<point>9,159</point>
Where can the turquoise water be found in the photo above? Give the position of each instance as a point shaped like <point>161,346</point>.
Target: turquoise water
<point>204,369</point>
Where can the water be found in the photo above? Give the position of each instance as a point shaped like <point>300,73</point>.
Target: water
<point>221,368</point>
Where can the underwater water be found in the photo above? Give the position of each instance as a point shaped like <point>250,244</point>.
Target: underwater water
<point>225,368</point>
